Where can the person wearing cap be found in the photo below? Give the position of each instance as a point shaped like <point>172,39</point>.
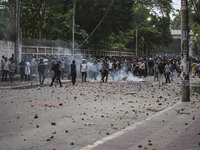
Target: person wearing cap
<point>83,70</point>
<point>41,71</point>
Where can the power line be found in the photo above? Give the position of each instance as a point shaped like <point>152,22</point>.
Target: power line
<point>97,25</point>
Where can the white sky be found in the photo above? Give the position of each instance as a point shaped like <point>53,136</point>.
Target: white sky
<point>177,4</point>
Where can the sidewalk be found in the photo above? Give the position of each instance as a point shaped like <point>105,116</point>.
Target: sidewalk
<point>176,128</point>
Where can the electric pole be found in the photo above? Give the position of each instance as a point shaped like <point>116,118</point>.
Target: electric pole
<point>185,52</point>
<point>136,41</point>
<point>17,34</point>
<point>73,24</point>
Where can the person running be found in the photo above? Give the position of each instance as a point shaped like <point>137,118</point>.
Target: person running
<point>73,72</point>
<point>57,72</point>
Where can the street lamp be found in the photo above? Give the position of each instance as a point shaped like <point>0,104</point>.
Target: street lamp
<point>137,27</point>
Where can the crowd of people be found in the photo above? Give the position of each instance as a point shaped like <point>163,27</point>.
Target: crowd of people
<point>162,69</point>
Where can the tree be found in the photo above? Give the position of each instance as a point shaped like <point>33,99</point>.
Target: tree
<point>195,24</point>
<point>110,23</point>
<point>48,20</point>
<point>176,22</point>
<point>4,22</point>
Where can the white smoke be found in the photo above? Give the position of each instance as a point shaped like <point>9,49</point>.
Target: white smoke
<point>121,76</point>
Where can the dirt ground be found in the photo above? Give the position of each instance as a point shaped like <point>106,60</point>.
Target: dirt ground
<point>72,117</point>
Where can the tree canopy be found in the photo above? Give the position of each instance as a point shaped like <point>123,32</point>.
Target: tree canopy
<point>99,24</point>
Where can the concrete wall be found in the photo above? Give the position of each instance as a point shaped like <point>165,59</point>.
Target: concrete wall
<point>6,48</point>
<point>40,48</point>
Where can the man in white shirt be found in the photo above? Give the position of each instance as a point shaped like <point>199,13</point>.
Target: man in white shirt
<point>46,62</point>
<point>83,70</point>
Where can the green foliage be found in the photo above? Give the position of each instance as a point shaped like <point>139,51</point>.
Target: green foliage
<point>195,8</point>
<point>45,19</point>
<point>53,20</point>
<point>176,22</point>
<point>195,24</point>
<point>4,23</point>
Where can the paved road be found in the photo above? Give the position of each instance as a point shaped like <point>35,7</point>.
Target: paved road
<point>174,128</point>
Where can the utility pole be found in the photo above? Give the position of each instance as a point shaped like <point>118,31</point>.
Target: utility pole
<point>136,42</point>
<point>185,52</point>
<point>120,48</point>
<point>17,34</point>
<point>15,29</point>
<point>74,7</point>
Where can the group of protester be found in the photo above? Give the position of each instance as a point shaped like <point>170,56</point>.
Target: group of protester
<point>7,68</point>
<point>96,67</point>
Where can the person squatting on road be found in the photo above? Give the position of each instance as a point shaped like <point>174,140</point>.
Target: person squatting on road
<point>41,71</point>
<point>73,72</point>
<point>56,67</point>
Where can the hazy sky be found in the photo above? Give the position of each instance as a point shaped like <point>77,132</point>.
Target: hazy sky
<point>177,4</point>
